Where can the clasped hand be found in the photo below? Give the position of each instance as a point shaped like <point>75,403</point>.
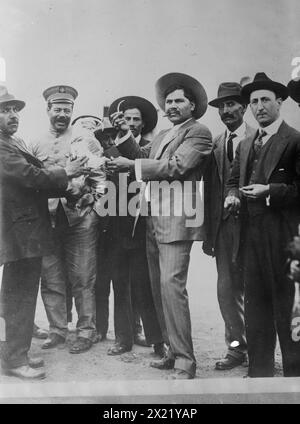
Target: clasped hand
<point>255,191</point>
<point>120,164</point>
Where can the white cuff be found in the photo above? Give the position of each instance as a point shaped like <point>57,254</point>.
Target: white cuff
<point>138,170</point>
<point>120,140</point>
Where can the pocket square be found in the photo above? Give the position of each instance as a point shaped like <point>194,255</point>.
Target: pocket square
<point>281,169</point>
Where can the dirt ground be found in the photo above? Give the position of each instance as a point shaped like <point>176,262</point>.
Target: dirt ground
<point>94,365</point>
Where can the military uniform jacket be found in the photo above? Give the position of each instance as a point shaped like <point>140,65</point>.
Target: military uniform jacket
<point>24,188</point>
<point>52,149</point>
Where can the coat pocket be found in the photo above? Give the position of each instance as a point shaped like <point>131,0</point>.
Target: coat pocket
<point>27,213</point>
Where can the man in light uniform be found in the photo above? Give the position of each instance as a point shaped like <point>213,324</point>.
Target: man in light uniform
<point>75,232</point>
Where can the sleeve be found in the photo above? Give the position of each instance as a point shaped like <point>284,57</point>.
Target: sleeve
<point>131,150</point>
<point>191,153</point>
<point>15,168</point>
<point>288,194</point>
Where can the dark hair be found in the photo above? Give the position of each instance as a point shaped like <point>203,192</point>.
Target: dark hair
<point>187,92</point>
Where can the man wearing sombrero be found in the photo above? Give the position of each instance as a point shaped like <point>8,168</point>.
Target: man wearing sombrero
<point>265,189</point>
<point>223,229</point>
<point>25,236</point>
<point>175,155</point>
<point>123,258</point>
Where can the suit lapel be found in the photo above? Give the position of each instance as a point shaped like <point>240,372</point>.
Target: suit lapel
<point>144,142</point>
<point>18,144</point>
<point>244,155</point>
<point>167,139</point>
<point>278,145</point>
<point>156,143</point>
<point>164,142</point>
<point>219,154</point>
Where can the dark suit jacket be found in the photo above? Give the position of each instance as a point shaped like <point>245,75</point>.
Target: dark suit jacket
<point>182,159</point>
<point>24,188</point>
<point>214,189</point>
<point>280,169</point>
<point>122,226</point>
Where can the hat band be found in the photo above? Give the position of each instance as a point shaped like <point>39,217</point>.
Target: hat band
<point>62,100</point>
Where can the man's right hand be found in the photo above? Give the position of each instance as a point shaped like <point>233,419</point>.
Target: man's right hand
<point>232,204</point>
<point>76,167</point>
<point>119,123</point>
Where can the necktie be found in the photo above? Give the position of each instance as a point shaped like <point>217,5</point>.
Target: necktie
<point>230,146</point>
<point>258,143</point>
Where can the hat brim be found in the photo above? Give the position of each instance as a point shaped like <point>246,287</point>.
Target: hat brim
<point>19,103</point>
<point>86,116</point>
<point>176,78</point>
<point>216,102</point>
<point>294,90</point>
<point>279,89</point>
<point>147,109</point>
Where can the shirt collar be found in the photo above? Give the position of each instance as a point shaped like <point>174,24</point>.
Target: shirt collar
<point>177,126</point>
<point>240,131</point>
<point>272,128</point>
<point>138,139</point>
<point>57,134</point>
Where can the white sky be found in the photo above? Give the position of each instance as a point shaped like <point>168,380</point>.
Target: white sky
<point>107,49</point>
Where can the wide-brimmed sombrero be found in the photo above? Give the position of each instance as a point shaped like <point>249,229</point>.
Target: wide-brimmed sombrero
<point>184,80</point>
<point>148,111</point>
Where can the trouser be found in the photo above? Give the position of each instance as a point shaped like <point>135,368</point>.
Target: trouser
<point>20,284</point>
<point>128,271</point>
<point>74,260</point>
<point>268,296</point>
<point>168,267</point>
<point>102,302</point>
<point>69,301</point>
<point>230,288</point>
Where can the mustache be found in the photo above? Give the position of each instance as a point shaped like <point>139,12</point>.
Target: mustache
<point>62,119</point>
<point>13,121</point>
<point>170,111</point>
<point>227,115</point>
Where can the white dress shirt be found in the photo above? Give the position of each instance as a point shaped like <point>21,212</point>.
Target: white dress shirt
<point>240,135</point>
<point>270,129</point>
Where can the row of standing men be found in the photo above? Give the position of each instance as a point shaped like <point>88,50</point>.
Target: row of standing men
<point>260,215</point>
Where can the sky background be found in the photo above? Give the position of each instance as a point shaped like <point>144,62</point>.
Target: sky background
<point>107,49</point>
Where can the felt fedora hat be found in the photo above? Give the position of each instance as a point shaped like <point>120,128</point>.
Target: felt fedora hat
<point>228,91</point>
<point>147,109</point>
<point>294,89</point>
<point>9,99</point>
<point>184,80</point>
<point>262,82</point>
